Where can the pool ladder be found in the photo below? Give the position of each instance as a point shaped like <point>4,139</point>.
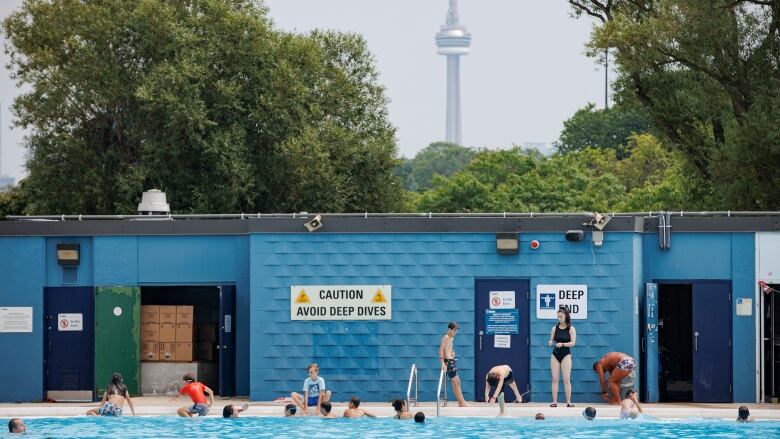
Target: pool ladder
<point>441,401</point>
<point>409,399</point>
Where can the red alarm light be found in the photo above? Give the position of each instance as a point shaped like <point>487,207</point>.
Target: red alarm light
<point>535,244</point>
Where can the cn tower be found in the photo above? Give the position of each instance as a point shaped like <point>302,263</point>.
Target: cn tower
<point>453,41</point>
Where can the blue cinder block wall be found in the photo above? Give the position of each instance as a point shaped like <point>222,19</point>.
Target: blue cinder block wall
<point>432,276</point>
<point>715,256</point>
<point>22,275</point>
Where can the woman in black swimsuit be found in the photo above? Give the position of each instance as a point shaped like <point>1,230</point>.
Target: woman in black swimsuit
<point>563,337</point>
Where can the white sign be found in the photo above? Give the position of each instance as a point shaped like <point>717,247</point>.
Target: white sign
<point>502,300</point>
<point>502,341</point>
<point>117,311</point>
<point>228,323</point>
<point>551,297</point>
<point>70,322</point>
<point>744,307</point>
<point>340,302</point>
<point>16,319</point>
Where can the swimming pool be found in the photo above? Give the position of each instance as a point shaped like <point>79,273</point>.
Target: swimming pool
<point>440,428</point>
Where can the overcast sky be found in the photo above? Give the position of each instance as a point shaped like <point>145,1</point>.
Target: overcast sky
<point>526,73</point>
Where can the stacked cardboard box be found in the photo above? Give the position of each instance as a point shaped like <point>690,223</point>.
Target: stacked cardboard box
<point>166,333</point>
<point>183,333</point>
<point>150,332</point>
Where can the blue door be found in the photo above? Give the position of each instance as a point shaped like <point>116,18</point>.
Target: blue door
<point>227,340</point>
<point>501,332</point>
<point>712,342</point>
<point>650,358</point>
<point>69,318</point>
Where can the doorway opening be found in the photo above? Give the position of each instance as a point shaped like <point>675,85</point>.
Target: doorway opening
<point>771,308</point>
<point>675,345</point>
<point>179,334</point>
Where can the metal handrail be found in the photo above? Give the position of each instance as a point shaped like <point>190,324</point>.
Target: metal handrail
<point>439,399</point>
<point>409,400</point>
<point>243,216</point>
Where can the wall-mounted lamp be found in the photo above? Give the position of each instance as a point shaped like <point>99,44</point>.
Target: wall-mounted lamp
<point>574,235</point>
<point>314,224</point>
<point>506,244</point>
<point>68,254</point>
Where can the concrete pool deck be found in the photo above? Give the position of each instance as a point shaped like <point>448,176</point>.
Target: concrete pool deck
<point>162,406</point>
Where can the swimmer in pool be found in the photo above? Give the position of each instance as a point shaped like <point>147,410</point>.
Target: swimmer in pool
<point>743,414</point>
<point>630,407</point>
<point>16,425</point>
<point>354,411</point>
<point>401,411</point>
<point>621,368</point>
<point>113,399</point>
<point>232,411</point>
<point>326,407</point>
<point>290,410</point>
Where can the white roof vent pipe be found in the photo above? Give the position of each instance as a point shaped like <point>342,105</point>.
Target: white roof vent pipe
<point>153,202</point>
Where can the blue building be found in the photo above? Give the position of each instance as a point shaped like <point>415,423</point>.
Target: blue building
<point>687,305</point>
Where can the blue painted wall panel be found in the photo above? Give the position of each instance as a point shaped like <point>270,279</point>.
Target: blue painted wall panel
<point>54,272</point>
<point>744,328</point>
<point>433,279</point>
<point>186,259</point>
<point>22,272</point>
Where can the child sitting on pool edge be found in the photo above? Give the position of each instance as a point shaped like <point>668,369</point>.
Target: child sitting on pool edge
<point>314,393</point>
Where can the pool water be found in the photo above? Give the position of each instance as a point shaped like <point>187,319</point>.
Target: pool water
<point>385,428</point>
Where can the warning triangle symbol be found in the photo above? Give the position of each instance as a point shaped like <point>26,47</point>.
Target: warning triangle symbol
<point>379,297</point>
<point>302,298</point>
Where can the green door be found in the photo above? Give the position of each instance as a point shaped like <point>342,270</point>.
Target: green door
<point>117,337</point>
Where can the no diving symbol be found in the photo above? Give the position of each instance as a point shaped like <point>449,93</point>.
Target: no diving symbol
<point>63,323</point>
<point>496,301</point>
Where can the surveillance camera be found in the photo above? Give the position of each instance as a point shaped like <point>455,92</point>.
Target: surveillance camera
<point>600,221</point>
<point>314,224</point>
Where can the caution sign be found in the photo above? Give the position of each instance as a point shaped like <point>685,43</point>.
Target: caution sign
<point>302,297</point>
<point>340,302</point>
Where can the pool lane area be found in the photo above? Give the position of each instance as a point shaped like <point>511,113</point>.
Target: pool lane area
<point>162,406</point>
<point>443,427</point>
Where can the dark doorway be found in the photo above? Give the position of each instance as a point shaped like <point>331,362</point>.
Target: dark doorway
<point>771,305</point>
<point>675,342</point>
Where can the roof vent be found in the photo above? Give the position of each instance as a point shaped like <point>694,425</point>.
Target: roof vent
<point>153,202</point>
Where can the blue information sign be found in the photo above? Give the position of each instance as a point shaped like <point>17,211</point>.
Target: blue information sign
<point>498,321</point>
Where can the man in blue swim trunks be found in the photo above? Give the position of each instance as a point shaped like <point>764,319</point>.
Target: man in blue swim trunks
<point>621,369</point>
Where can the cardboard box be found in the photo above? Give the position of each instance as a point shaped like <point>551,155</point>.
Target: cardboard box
<point>167,351</point>
<point>207,333</point>
<point>205,351</point>
<point>183,333</point>
<point>150,314</point>
<point>150,332</point>
<point>184,314</point>
<point>150,351</point>
<point>183,352</point>
<point>168,314</point>
<point>167,333</point>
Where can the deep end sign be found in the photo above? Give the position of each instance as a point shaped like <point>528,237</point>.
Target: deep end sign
<point>341,302</point>
<point>551,297</point>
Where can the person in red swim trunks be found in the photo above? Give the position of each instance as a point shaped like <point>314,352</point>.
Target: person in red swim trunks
<point>198,392</point>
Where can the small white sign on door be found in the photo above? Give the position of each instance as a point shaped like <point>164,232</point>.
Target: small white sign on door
<point>502,341</point>
<point>502,300</point>
<point>70,322</point>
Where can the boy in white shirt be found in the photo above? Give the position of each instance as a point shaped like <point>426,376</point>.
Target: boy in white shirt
<point>314,393</point>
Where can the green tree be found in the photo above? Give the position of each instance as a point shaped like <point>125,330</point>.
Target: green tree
<point>437,158</point>
<point>203,99</point>
<point>706,73</point>
<point>603,128</point>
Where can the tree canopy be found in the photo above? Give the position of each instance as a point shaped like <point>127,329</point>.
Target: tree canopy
<point>602,128</point>
<point>203,99</point>
<point>437,158</point>
<point>708,74</point>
